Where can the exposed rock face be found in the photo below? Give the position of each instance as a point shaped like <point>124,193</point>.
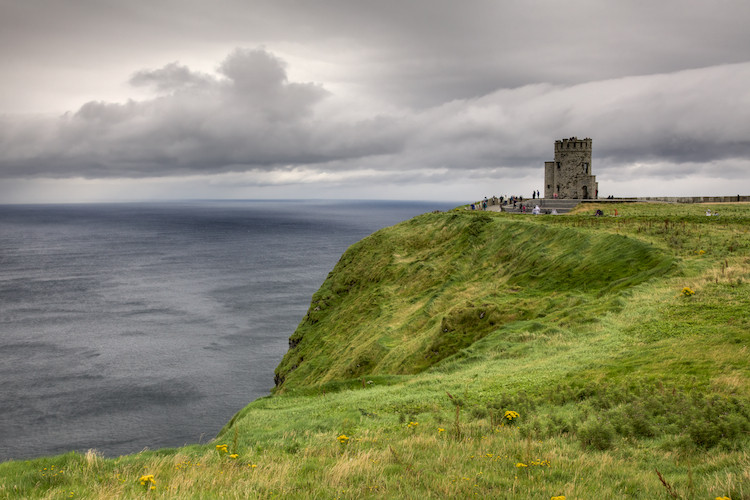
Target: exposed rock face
<point>569,175</point>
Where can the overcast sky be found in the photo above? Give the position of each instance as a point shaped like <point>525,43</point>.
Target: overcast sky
<point>426,99</point>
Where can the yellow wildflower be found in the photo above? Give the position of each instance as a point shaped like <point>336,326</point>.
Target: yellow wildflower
<point>343,439</point>
<point>147,479</point>
<point>561,497</point>
<point>440,429</point>
<point>520,465</point>
<point>233,455</point>
<point>222,447</point>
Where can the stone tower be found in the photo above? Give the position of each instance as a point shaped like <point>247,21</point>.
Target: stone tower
<point>570,174</point>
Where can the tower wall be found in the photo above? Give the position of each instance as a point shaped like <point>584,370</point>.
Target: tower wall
<point>569,175</point>
<point>549,179</point>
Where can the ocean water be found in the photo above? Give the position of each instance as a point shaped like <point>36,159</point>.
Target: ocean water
<point>132,326</point>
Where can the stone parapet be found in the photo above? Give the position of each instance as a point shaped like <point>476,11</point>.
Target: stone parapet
<point>696,199</point>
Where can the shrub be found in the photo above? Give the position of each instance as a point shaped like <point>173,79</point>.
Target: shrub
<point>596,435</point>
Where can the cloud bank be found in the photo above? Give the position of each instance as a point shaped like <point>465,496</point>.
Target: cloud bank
<point>248,117</point>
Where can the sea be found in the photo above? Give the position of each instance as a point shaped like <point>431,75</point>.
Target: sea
<point>135,326</point>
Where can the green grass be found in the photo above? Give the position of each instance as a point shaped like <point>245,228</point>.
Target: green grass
<point>449,320</point>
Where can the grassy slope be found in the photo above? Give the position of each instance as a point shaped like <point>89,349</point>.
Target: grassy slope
<point>575,322</point>
<point>407,297</point>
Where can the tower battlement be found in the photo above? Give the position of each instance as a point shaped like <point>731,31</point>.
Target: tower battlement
<point>573,143</point>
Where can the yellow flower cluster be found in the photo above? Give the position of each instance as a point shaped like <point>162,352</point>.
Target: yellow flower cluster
<point>687,292</point>
<point>343,439</point>
<point>510,415</point>
<point>233,455</point>
<point>51,472</point>
<point>440,429</point>
<point>222,448</point>
<point>187,464</point>
<point>412,425</point>
<point>520,465</point>
<point>561,497</point>
<point>542,463</point>
<point>147,480</point>
<point>723,498</point>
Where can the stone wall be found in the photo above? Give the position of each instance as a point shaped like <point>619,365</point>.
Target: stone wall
<point>677,199</point>
<point>698,199</point>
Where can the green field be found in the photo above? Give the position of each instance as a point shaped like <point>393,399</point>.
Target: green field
<point>490,355</point>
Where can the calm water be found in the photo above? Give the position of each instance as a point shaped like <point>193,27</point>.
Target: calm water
<point>149,325</point>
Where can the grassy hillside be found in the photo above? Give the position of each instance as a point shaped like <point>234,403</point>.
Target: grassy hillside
<point>474,354</point>
<point>410,296</point>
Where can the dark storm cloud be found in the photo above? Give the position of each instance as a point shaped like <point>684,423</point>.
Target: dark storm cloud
<point>426,52</point>
<point>248,116</point>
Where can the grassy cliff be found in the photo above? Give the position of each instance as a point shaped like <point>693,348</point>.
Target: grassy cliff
<point>475,354</point>
<point>407,297</point>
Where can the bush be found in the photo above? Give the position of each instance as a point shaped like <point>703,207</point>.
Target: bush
<point>597,435</point>
<point>705,434</point>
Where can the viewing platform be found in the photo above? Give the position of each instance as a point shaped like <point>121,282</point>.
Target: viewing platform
<point>546,205</point>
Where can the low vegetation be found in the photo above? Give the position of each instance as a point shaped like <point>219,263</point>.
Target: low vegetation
<point>494,355</point>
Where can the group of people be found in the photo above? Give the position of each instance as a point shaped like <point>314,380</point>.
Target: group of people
<point>513,200</point>
<point>495,200</point>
